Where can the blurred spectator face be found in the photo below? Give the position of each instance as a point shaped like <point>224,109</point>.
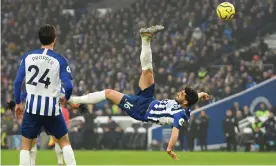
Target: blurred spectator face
<point>236,105</point>
<point>192,117</point>
<point>227,89</point>
<point>265,75</point>
<point>242,68</point>
<point>262,106</point>
<point>257,129</point>
<point>229,113</point>
<point>202,113</point>
<point>245,109</point>
<point>239,114</point>
<point>170,78</point>
<point>219,84</point>
<point>271,115</point>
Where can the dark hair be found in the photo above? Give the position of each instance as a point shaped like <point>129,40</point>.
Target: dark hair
<point>47,34</point>
<point>191,96</point>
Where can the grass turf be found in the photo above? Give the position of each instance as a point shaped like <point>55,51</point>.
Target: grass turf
<point>47,157</point>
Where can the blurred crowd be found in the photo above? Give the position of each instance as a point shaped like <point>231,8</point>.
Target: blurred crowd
<point>258,135</point>
<point>103,47</point>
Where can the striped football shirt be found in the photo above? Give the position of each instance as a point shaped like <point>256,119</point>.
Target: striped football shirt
<point>44,70</point>
<point>167,112</point>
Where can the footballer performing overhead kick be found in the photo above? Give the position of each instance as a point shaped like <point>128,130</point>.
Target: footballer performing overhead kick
<point>143,106</point>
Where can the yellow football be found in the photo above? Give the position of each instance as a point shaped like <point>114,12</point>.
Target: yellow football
<point>225,11</point>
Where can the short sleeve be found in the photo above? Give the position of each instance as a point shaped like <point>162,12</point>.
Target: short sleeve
<point>178,120</point>
<point>65,71</point>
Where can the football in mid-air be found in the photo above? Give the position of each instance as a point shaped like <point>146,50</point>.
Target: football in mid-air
<point>225,11</point>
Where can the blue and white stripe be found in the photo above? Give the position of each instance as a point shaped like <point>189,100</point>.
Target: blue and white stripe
<point>164,112</point>
<point>42,105</point>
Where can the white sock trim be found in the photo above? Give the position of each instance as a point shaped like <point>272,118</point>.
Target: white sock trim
<point>59,154</point>
<point>145,41</point>
<point>146,58</point>
<point>68,155</point>
<point>24,158</point>
<point>91,98</point>
<point>33,154</point>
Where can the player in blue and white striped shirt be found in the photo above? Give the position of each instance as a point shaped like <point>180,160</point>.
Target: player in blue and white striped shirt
<point>143,106</point>
<point>44,70</point>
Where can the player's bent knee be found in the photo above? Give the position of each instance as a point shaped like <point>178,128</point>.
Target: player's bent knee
<point>26,143</point>
<point>63,141</point>
<point>108,92</point>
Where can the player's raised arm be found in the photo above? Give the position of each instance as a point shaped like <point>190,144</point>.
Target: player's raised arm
<point>66,78</point>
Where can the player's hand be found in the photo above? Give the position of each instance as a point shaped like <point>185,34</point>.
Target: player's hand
<point>19,111</point>
<point>204,96</point>
<point>172,154</point>
<point>62,100</point>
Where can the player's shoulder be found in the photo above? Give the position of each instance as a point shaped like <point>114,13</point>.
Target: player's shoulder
<point>61,59</point>
<point>36,51</point>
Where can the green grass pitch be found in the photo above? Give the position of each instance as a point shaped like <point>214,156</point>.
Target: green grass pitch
<point>47,157</point>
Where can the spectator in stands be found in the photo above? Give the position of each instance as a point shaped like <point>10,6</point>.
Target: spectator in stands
<point>230,125</point>
<point>236,108</point>
<point>246,112</point>
<point>262,111</point>
<point>203,130</point>
<point>259,140</point>
<point>112,133</point>
<point>257,124</point>
<point>270,131</point>
<point>76,136</point>
<point>16,138</point>
<point>192,132</point>
<point>250,82</point>
<point>89,127</point>
<point>239,116</point>
<point>74,113</point>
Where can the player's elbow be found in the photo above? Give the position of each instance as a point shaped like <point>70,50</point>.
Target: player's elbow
<point>68,87</point>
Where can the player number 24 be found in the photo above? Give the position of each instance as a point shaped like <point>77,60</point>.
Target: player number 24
<point>41,79</point>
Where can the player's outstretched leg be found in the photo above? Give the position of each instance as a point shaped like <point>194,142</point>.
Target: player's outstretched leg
<point>96,97</point>
<point>146,78</point>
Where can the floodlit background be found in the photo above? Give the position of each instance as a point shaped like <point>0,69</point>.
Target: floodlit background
<point>234,61</point>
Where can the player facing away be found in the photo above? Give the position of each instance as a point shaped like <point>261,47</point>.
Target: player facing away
<point>82,108</point>
<point>143,106</point>
<point>44,70</point>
